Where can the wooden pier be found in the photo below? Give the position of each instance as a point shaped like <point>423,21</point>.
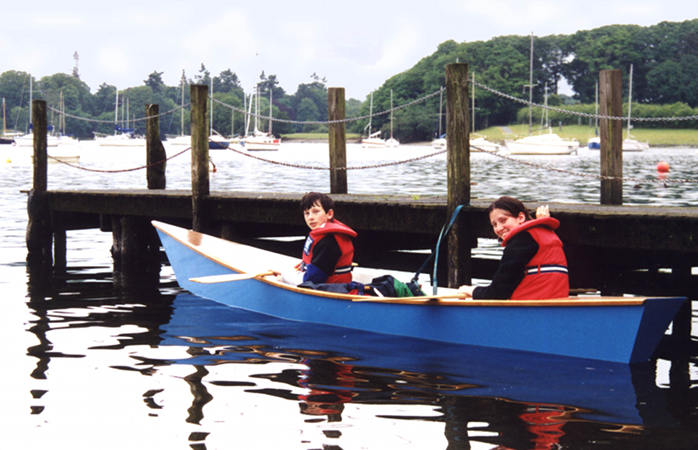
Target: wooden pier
<point>612,248</point>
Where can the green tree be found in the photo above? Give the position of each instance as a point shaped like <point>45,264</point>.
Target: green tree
<point>14,88</point>
<point>203,77</point>
<point>226,81</point>
<point>154,82</point>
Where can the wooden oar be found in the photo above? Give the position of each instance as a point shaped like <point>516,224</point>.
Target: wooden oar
<point>210,279</point>
<point>418,298</point>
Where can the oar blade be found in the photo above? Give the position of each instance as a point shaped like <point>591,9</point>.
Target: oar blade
<point>227,277</point>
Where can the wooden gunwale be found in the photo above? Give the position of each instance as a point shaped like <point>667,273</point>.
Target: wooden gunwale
<point>422,300</point>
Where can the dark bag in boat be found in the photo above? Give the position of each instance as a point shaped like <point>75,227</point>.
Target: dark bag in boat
<point>389,286</point>
<point>352,287</point>
<point>383,286</point>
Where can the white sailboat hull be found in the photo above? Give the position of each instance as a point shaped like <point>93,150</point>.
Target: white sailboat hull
<point>544,144</point>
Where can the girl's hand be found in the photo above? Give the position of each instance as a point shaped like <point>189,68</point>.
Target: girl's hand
<point>542,211</point>
<point>466,291</point>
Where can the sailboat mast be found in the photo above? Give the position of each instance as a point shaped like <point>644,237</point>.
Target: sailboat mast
<point>630,96</point>
<point>181,111</point>
<point>116,112</point>
<point>210,115</point>
<point>596,109</point>
<point>472,100</point>
<point>391,114</point>
<point>128,110</point>
<point>4,129</point>
<point>256,108</point>
<point>61,118</point>
<point>370,114</point>
<point>441,106</point>
<point>270,110</point>
<point>248,118</point>
<point>545,97</point>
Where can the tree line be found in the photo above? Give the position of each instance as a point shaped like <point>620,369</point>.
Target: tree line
<point>665,84</point>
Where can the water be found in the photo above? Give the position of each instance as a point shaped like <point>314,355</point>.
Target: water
<point>90,366</point>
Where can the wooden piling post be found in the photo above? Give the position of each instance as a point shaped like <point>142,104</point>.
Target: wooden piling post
<point>156,158</point>
<point>39,233</point>
<point>136,246</point>
<point>611,131</point>
<point>336,109</point>
<point>460,239</point>
<point>199,155</point>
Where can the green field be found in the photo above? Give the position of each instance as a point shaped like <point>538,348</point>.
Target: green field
<point>656,137</point>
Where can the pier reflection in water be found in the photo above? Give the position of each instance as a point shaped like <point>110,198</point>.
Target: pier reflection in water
<point>220,377</point>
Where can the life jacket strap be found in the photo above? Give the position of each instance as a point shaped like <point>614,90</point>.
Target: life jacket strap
<point>546,268</point>
<point>344,269</point>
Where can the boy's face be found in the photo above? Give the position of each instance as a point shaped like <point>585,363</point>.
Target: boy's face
<point>316,216</point>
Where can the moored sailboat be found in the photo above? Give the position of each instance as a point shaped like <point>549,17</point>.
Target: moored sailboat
<point>259,140</point>
<point>373,140</point>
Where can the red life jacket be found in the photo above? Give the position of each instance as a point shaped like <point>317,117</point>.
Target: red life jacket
<point>546,273</point>
<point>344,236</point>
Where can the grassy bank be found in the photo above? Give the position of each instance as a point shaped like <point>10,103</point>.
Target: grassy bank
<point>663,137</point>
<point>656,137</point>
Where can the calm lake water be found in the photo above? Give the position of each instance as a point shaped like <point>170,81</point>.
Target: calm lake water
<point>88,365</point>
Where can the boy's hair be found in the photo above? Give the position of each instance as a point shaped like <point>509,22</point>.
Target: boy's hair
<point>311,198</point>
<point>513,205</point>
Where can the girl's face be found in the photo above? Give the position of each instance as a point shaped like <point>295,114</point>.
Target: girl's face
<point>316,216</point>
<point>503,222</point>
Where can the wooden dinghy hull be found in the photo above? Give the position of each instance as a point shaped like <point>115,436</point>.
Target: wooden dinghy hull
<point>620,329</point>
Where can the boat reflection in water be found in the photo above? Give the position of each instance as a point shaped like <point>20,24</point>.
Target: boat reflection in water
<point>474,391</point>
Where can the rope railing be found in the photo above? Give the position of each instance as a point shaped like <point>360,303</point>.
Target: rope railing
<point>336,169</point>
<point>329,122</point>
<point>392,110</point>
<point>579,113</point>
<point>519,161</point>
<point>429,155</point>
<point>111,121</point>
<point>131,169</point>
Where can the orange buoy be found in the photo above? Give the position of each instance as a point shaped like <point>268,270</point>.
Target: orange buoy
<point>662,167</point>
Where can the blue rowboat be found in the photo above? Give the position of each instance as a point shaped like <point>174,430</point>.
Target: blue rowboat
<point>618,329</point>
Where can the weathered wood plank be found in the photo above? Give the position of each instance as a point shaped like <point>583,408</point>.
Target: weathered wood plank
<point>648,228</point>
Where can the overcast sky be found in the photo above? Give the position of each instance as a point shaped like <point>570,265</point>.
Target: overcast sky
<point>354,44</point>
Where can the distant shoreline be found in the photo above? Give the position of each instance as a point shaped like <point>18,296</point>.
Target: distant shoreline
<point>656,137</point>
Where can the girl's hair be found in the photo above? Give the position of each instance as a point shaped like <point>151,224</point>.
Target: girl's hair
<point>510,204</point>
<point>311,198</point>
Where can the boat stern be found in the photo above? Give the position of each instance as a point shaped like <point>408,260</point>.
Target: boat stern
<point>656,317</point>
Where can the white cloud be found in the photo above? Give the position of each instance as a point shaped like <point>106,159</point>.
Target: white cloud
<point>115,60</point>
<point>57,20</point>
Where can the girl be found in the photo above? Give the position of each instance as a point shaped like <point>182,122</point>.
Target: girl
<point>533,265</point>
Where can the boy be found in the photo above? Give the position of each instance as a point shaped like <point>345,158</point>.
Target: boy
<point>329,248</point>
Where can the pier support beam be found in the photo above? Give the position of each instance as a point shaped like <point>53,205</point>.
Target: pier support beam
<point>460,239</point>
<point>199,156</point>
<point>611,132</point>
<point>38,236</point>
<point>336,108</point>
<point>135,252</point>
<point>135,245</point>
